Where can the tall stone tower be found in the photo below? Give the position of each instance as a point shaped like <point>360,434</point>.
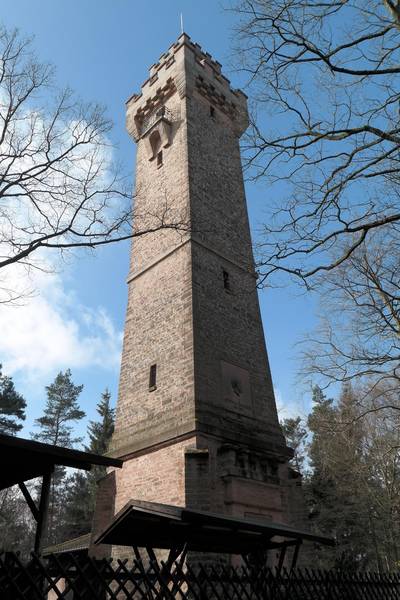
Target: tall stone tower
<point>196,418</point>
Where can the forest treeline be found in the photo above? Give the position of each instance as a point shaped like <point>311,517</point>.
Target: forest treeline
<point>347,450</point>
<point>72,495</point>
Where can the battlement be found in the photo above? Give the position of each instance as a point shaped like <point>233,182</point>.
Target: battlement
<point>200,53</point>
<point>184,68</point>
<point>167,59</point>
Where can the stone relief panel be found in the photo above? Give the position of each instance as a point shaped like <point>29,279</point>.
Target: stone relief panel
<point>244,463</point>
<point>236,388</point>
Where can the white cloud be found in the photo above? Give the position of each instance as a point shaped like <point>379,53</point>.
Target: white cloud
<point>287,409</point>
<point>53,330</point>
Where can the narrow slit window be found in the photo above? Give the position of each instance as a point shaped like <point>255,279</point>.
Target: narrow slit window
<point>153,378</point>
<point>226,279</point>
<point>159,159</point>
<point>212,112</point>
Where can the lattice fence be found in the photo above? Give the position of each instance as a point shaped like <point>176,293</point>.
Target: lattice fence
<point>71,578</point>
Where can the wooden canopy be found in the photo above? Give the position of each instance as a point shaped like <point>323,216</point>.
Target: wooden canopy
<point>148,524</point>
<point>22,460</point>
<point>25,459</point>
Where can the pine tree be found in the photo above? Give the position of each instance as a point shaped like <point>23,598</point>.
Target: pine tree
<point>100,432</point>
<point>349,471</point>
<point>61,409</point>
<point>81,494</point>
<point>336,489</point>
<point>15,522</point>
<point>318,487</point>
<point>12,406</point>
<point>295,435</point>
<point>321,424</point>
<point>78,511</point>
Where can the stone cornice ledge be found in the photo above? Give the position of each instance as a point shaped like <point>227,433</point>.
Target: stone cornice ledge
<point>193,239</point>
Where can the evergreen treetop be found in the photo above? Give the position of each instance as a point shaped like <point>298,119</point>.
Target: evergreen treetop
<point>61,408</point>
<point>296,435</point>
<point>100,432</point>
<point>82,488</point>
<point>12,406</point>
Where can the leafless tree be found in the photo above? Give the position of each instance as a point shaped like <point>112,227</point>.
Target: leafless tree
<point>59,185</point>
<point>328,75</point>
<point>16,521</point>
<point>382,480</point>
<point>359,334</point>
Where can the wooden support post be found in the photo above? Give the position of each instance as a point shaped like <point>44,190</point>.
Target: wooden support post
<point>29,500</point>
<point>41,526</point>
<point>295,555</point>
<point>281,558</point>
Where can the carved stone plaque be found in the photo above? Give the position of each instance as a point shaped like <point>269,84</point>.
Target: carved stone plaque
<point>235,385</point>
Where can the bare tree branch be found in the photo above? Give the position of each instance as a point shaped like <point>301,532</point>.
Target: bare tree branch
<point>327,74</point>
<point>359,334</point>
<point>60,187</point>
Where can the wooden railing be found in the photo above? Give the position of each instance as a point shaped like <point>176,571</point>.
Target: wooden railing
<point>66,577</point>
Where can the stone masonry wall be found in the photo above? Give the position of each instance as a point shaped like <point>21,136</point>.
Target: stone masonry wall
<point>158,331</point>
<point>158,327</point>
<point>161,192</point>
<point>218,205</point>
<point>232,479</point>
<point>157,476</point>
<point>229,346</point>
<point>227,322</point>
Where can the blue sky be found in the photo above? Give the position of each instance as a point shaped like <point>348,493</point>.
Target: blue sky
<point>103,49</point>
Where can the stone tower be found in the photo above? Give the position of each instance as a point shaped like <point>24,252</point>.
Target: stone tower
<point>196,417</point>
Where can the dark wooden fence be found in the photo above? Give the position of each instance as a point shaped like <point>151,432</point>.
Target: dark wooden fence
<point>70,578</point>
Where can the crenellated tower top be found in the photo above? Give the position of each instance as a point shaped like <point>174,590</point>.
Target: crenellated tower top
<point>186,69</point>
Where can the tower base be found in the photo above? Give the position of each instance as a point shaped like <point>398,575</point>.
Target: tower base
<point>203,473</point>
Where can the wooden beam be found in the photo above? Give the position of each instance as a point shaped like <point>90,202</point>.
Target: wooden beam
<point>41,526</point>
<point>295,555</point>
<point>286,544</point>
<point>281,558</point>
<point>29,500</point>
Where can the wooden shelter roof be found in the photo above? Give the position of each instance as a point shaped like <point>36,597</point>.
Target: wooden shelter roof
<point>25,459</point>
<point>78,544</point>
<point>149,524</point>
